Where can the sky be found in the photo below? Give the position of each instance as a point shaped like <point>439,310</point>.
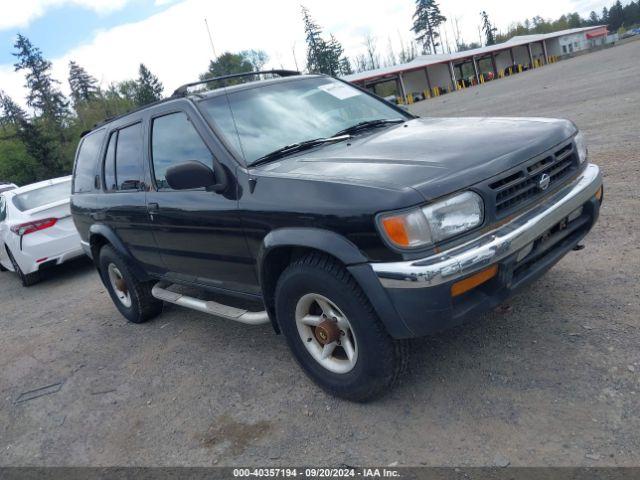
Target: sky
<point>110,38</point>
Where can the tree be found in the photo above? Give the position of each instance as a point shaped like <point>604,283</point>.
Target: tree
<point>574,20</point>
<point>468,46</point>
<point>227,64</point>
<point>372,52</point>
<point>43,94</point>
<point>83,86</point>
<point>323,56</point>
<point>148,87</point>
<point>41,144</point>
<point>593,18</point>
<point>616,16</point>
<point>316,46</point>
<point>488,29</point>
<point>426,20</point>
<point>16,165</point>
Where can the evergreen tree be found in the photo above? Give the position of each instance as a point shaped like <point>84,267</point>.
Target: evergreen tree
<point>345,66</point>
<point>488,29</point>
<point>593,18</point>
<point>616,16</point>
<point>316,46</point>
<point>83,86</point>
<point>426,20</point>
<point>43,94</point>
<point>323,56</point>
<point>38,142</point>
<point>148,87</point>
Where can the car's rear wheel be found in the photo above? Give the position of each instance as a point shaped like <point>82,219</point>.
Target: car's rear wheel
<point>132,297</point>
<point>333,331</point>
<point>27,279</point>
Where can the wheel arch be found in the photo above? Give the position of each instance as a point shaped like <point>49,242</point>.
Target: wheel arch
<point>282,246</point>
<point>101,235</point>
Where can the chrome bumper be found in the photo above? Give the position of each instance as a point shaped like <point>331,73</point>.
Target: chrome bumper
<point>493,246</point>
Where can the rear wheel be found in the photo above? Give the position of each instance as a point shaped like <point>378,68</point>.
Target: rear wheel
<point>132,297</point>
<point>27,279</point>
<point>333,331</point>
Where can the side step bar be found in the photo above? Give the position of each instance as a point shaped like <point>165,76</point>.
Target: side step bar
<point>160,292</point>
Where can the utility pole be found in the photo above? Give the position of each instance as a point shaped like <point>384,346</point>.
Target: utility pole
<point>210,39</point>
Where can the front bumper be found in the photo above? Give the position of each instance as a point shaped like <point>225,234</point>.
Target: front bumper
<point>524,249</point>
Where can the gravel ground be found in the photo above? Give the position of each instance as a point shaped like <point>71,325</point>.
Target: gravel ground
<point>551,380</point>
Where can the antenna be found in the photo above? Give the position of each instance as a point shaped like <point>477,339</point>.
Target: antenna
<point>210,39</point>
<point>295,60</point>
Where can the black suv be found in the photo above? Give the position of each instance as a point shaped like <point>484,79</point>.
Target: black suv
<point>351,223</point>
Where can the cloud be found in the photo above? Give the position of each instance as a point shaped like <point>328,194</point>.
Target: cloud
<point>175,46</point>
<point>21,13</point>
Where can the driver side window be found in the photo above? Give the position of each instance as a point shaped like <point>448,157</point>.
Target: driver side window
<point>175,140</point>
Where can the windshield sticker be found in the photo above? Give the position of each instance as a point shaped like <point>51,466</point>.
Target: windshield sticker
<point>339,90</point>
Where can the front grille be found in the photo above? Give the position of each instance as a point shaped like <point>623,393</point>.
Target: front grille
<point>517,188</point>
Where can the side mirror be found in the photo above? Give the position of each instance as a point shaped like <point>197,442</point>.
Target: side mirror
<point>192,174</point>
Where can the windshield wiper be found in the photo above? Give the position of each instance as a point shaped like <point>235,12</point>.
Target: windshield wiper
<point>297,147</point>
<point>358,127</point>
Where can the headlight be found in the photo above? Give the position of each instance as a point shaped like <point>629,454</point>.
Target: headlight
<point>433,223</point>
<point>581,146</point>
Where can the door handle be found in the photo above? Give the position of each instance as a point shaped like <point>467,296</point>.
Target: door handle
<point>152,208</point>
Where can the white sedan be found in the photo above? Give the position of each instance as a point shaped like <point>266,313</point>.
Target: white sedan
<point>36,229</point>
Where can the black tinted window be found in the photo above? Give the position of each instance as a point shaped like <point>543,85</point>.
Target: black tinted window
<point>175,140</point>
<point>86,162</point>
<point>129,158</point>
<point>110,164</point>
<point>3,209</point>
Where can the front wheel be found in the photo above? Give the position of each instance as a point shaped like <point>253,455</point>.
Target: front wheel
<point>333,331</point>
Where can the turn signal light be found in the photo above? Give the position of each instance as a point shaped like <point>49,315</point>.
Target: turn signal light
<point>30,227</point>
<point>395,229</point>
<point>599,193</point>
<point>473,281</point>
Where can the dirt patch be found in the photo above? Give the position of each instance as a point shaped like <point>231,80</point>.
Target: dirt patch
<point>238,435</point>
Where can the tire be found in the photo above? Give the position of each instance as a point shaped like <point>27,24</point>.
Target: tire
<point>134,300</point>
<point>380,361</point>
<point>27,279</point>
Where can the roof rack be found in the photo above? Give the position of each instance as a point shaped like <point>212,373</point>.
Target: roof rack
<point>124,114</point>
<point>184,89</point>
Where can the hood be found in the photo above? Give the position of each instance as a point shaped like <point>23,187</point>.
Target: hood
<point>434,156</point>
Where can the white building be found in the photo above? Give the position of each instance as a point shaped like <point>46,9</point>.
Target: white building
<point>432,75</point>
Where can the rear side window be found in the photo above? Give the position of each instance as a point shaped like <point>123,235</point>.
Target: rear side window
<point>110,183</point>
<point>84,176</point>
<point>43,196</point>
<point>174,140</point>
<point>129,174</point>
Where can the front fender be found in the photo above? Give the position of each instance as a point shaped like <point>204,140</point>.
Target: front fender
<point>341,248</point>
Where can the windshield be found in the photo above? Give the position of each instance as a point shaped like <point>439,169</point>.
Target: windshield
<point>259,120</point>
<point>42,196</point>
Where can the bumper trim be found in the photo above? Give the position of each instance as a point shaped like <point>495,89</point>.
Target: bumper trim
<point>493,246</point>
